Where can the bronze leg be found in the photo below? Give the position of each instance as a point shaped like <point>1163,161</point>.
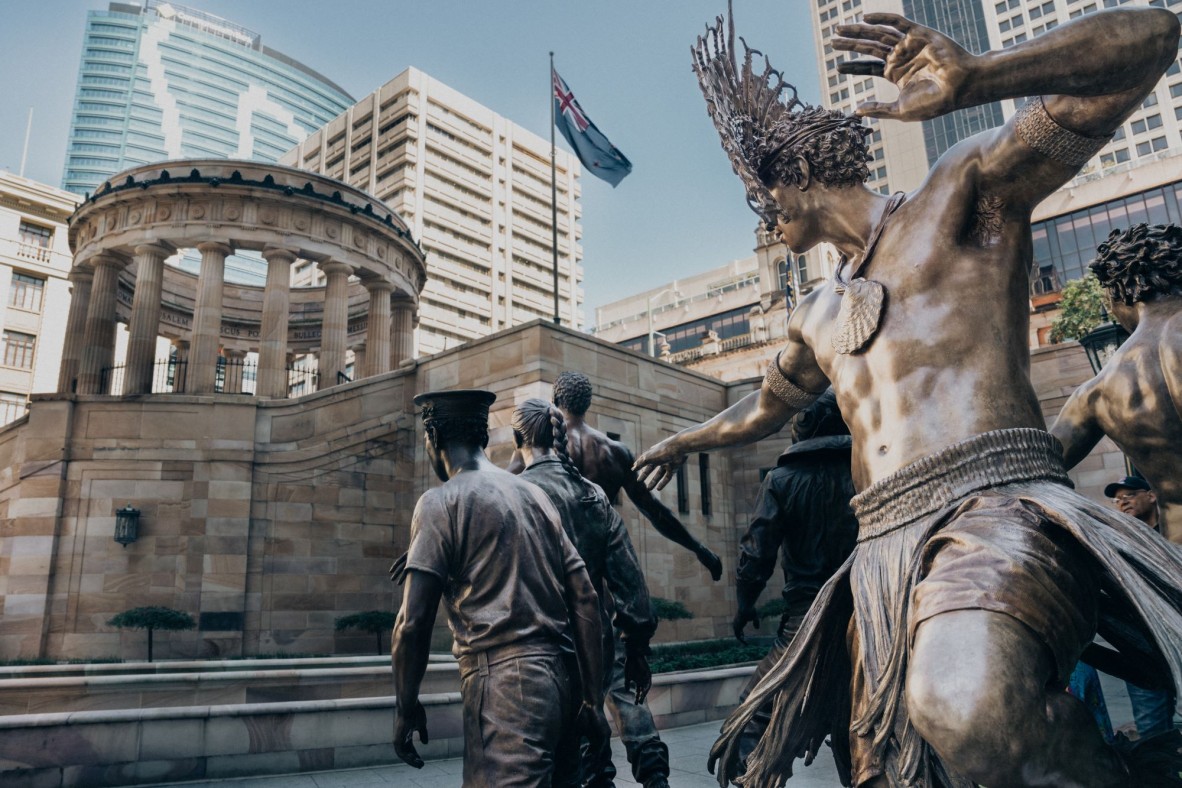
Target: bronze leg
<point>981,690</point>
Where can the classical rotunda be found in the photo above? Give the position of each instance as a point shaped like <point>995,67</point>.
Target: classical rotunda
<point>122,235</point>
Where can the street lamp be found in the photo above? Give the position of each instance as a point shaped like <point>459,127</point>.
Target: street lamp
<point>127,525</point>
<point>652,334</point>
<point>1102,341</point>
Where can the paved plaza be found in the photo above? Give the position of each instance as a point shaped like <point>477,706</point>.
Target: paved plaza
<point>688,748</point>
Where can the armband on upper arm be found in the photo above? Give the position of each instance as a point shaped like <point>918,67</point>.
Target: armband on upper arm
<point>1035,126</point>
<point>784,389</point>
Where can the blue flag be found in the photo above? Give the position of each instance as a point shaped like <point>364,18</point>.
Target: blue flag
<point>598,155</point>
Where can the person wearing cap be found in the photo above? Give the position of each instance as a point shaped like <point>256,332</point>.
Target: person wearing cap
<point>1153,709</point>
<point>1136,399</point>
<point>493,548</point>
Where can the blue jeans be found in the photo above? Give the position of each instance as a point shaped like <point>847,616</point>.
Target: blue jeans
<point>1153,710</point>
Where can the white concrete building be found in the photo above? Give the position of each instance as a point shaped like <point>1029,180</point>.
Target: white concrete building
<point>475,189</point>
<point>34,292</point>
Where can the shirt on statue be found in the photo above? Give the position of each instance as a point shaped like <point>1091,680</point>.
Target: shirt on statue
<point>497,543</point>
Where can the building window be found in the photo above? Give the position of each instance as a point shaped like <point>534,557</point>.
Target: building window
<point>682,490</point>
<point>802,269</point>
<point>18,349</point>
<point>12,406</point>
<point>35,241</point>
<point>704,482</point>
<point>26,292</point>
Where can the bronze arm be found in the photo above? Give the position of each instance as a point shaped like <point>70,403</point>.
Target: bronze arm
<point>409,651</point>
<point>1076,426</point>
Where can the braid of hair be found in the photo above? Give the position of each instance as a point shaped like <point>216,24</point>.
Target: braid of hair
<point>558,441</point>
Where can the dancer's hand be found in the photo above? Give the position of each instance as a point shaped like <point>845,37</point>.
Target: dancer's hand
<point>929,68</point>
<point>657,466</point>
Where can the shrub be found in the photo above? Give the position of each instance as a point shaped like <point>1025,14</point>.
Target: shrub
<point>375,621</point>
<point>704,654</point>
<point>153,618</point>
<point>667,610</point>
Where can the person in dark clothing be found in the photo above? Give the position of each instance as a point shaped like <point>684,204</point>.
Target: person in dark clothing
<point>803,514</point>
<point>601,539</point>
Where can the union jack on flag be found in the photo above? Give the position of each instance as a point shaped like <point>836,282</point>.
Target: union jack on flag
<point>594,150</point>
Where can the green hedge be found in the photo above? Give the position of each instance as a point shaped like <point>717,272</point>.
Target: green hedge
<point>705,654</point>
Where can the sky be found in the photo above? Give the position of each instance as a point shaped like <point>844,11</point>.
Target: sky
<point>680,212</point>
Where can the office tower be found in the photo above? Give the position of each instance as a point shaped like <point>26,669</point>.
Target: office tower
<point>475,189</point>
<point>162,81</point>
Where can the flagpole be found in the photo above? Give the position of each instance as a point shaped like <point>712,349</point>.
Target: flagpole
<point>554,193</point>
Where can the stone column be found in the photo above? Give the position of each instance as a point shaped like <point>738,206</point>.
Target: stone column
<point>402,332</point>
<point>377,333</point>
<point>180,375</point>
<point>272,380</point>
<point>358,360</point>
<point>81,278</point>
<point>98,345</point>
<point>335,326</point>
<point>232,383</point>
<point>207,317</point>
<point>145,318</point>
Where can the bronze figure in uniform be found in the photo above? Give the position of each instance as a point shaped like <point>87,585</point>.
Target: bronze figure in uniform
<point>936,656</point>
<point>602,540</point>
<point>493,548</point>
<point>1137,398</point>
<point>608,463</point>
<point>803,517</point>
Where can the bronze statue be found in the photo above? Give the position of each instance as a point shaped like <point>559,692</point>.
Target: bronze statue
<point>492,547</point>
<point>1137,398</point>
<point>608,463</point>
<point>602,540</point>
<point>978,575</point>
<point>802,515</point>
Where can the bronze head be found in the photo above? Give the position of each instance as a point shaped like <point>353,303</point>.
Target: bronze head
<point>1141,263</point>
<point>454,418</point>
<point>765,127</point>
<point>819,419</point>
<point>572,392</point>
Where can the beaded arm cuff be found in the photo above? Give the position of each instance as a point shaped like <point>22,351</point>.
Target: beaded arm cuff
<point>1039,130</point>
<point>787,391</point>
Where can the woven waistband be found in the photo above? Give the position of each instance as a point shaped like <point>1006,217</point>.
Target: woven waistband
<point>938,480</point>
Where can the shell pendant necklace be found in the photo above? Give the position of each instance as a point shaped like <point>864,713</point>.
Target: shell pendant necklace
<point>861,299</point>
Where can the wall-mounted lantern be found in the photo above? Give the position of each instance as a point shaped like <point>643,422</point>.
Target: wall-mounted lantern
<point>127,525</point>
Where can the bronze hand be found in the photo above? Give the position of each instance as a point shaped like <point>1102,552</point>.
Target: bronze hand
<point>928,67</point>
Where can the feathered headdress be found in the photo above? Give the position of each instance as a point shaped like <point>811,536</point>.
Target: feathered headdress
<point>759,116</point>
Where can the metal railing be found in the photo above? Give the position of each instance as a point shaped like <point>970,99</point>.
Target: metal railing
<point>233,376</point>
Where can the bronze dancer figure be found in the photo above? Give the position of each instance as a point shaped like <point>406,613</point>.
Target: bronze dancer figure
<point>979,574</point>
<point>1137,398</point>
<point>608,463</point>
<point>492,547</point>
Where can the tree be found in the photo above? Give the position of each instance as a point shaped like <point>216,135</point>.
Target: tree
<point>375,621</point>
<point>1082,309</point>
<point>153,618</point>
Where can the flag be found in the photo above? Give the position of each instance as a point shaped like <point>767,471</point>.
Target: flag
<point>598,155</point>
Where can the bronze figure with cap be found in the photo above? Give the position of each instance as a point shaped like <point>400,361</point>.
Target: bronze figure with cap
<point>978,575</point>
<point>1136,399</point>
<point>516,592</point>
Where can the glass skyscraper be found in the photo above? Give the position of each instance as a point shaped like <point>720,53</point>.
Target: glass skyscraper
<point>161,81</point>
